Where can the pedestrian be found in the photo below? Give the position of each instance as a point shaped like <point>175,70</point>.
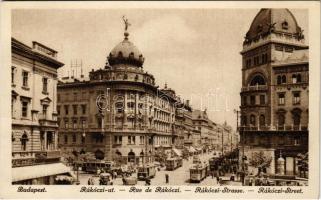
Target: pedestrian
<point>212,174</point>
<point>217,177</point>
<point>89,181</point>
<point>115,174</point>
<point>167,178</point>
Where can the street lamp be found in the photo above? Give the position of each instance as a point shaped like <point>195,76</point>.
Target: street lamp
<point>242,140</point>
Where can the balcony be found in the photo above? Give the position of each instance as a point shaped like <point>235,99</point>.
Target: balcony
<point>27,158</point>
<point>254,88</point>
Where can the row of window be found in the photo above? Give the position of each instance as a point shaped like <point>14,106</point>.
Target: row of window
<point>118,139</point>
<point>281,79</point>
<point>74,108</point>
<point>296,117</point>
<point>25,108</point>
<point>253,100</point>
<point>73,124</point>
<point>25,80</point>
<point>296,98</point>
<point>257,60</point>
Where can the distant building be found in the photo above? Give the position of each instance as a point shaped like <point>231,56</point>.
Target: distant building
<point>275,91</point>
<point>35,154</point>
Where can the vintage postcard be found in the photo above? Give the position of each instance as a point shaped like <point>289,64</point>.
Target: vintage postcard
<point>178,100</point>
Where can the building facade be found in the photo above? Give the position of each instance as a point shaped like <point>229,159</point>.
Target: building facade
<point>118,114</point>
<point>35,151</point>
<point>274,95</point>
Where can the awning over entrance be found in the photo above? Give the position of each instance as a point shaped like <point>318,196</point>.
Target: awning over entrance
<point>177,152</point>
<point>36,171</point>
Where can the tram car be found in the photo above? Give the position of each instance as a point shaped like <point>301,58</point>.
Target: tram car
<point>173,163</point>
<point>93,165</point>
<point>199,172</point>
<point>146,172</point>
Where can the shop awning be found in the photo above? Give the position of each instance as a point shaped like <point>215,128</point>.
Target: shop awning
<point>177,152</point>
<point>36,171</point>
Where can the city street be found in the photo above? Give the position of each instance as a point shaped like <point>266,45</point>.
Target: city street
<point>180,176</point>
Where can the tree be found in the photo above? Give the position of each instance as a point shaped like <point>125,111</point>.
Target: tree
<point>260,160</point>
<point>303,163</point>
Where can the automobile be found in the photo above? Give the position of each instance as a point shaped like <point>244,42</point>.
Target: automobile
<point>129,180</point>
<point>105,179</point>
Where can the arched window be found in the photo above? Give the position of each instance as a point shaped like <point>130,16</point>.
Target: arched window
<point>298,78</point>
<point>257,80</point>
<point>24,139</point>
<point>120,54</point>
<point>244,121</point>
<point>262,120</point>
<point>294,78</point>
<point>252,120</point>
<point>99,154</point>
<point>281,119</point>
<point>283,79</point>
<point>296,115</point>
<point>279,80</point>
<point>131,157</point>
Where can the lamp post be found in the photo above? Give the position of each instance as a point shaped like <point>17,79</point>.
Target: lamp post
<point>242,140</point>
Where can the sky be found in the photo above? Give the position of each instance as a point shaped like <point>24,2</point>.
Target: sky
<point>195,51</point>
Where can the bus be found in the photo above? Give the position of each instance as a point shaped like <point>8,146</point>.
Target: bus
<point>173,163</point>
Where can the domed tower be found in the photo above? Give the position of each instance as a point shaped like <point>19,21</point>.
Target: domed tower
<point>274,94</point>
<point>125,54</point>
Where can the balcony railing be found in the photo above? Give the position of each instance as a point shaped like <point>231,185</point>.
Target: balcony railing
<point>254,88</point>
<point>27,158</point>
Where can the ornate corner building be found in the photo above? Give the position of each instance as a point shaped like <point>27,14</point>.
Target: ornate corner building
<point>275,90</point>
<point>118,114</point>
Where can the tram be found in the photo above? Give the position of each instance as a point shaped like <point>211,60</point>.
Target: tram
<point>173,163</point>
<point>199,172</point>
<point>146,172</point>
<point>93,165</point>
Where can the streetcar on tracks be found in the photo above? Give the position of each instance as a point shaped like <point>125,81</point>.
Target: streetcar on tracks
<point>199,172</point>
<point>146,172</point>
<point>173,163</point>
<point>92,166</point>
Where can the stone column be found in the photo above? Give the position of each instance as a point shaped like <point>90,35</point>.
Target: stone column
<point>45,138</point>
<point>56,140</point>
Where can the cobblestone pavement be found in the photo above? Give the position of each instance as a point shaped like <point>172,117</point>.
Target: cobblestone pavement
<point>179,176</point>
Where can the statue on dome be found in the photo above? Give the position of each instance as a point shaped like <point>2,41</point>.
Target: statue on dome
<point>126,23</point>
<point>271,27</point>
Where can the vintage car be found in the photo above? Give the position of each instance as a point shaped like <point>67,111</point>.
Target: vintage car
<point>129,180</point>
<point>105,179</point>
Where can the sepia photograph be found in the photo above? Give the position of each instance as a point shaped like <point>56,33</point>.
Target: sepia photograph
<point>214,99</point>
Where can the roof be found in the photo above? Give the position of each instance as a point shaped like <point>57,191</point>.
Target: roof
<point>198,114</point>
<point>126,53</point>
<point>36,171</point>
<point>277,20</point>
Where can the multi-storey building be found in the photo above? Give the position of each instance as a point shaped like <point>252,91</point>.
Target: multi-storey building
<point>35,156</point>
<point>207,128</point>
<point>119,113</point>
<point>274,96</point>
